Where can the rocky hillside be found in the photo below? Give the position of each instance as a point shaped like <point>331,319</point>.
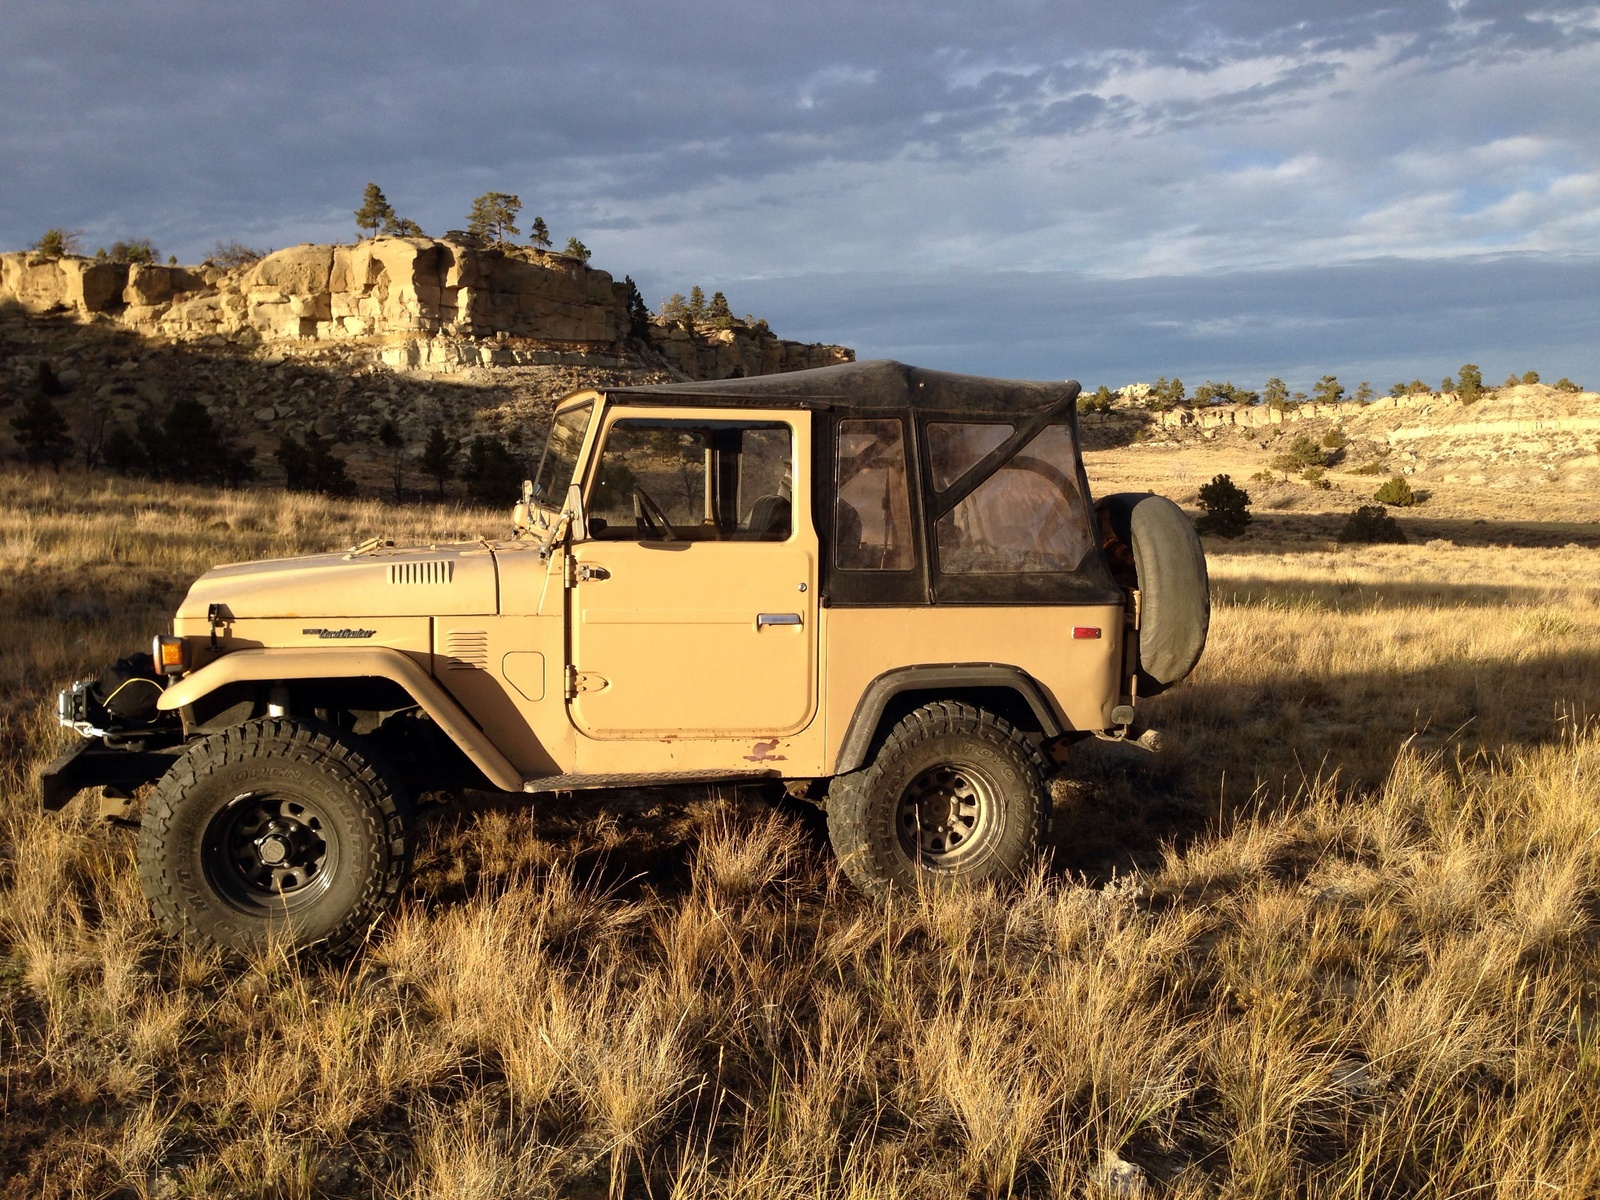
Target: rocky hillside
<point>339,339</point>
<point>1511,437</point>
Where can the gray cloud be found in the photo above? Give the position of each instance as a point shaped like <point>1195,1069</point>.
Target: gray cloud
<point>876,144</point>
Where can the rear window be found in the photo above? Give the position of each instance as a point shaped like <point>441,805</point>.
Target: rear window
<point>1028,517</point>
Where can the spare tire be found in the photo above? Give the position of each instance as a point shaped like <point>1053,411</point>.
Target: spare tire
<point>1170,565</point>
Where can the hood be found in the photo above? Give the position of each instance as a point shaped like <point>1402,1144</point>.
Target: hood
<point>387,582</point>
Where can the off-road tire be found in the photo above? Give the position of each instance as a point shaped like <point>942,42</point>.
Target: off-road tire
<point>348,800</point>
<point>983,753</point>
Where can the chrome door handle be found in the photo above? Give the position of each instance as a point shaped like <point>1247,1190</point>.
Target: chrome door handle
<point>765,619</point>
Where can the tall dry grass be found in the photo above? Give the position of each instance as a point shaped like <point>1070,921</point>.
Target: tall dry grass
<point>1340,939</point>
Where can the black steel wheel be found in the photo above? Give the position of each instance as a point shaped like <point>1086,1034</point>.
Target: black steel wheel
<point>955,793</point>
<point>274,829</point>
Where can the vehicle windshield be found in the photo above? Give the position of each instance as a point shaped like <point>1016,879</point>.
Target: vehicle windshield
<point>560,459</point>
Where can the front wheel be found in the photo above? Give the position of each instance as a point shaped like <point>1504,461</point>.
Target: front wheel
<point>955,793</point>
<point>277,828</point>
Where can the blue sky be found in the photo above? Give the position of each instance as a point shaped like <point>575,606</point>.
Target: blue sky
<point>1216,189</point>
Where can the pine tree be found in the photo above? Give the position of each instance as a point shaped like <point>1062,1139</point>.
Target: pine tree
<point>57,243</point>
<point>539,233</point>
<point>1469,383</point>
<point>492,472</point>
<point>493,213</point>
<point>697,303</point>
<point>1274,392</point>
<point>1328,390</point>
<point>375,211</point>
<point>42,432</point>
<point>576,249</point>
<point>402,227</point>
<point>719,312</point>
<point>638,311</point>
<point>139,250</point>
<point>439,456</point>
<point>390,438</point>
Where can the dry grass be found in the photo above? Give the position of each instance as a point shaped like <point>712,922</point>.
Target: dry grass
<point>1339,940</point>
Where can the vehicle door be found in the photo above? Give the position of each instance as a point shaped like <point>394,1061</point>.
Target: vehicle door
<point>693,597</point>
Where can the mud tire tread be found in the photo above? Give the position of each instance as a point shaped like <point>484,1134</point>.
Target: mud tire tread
<point>861,832</point>
<point>359,777</point>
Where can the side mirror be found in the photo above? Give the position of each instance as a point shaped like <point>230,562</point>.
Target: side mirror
<point>573,511</point>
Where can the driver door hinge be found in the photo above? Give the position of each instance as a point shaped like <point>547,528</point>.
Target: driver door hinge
<point>569,570</point>
<point>583,681</point>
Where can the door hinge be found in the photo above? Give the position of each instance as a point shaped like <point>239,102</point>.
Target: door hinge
<point>569,571</point>
<point>583,681</point>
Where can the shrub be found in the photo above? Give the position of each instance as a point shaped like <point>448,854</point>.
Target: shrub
<point>1530,377</point>
<point>1335,439</point>
<point>139,250</point>
<point>229,255</point>
<point>1395,492</point>
<point>1469,383</point>
<point>1316,477</point>
<point>1300,453</point>
<point>309,465</point>
<point>1371,523</point>
<point>1098,403</point>
<point>1226,508</point>
<point>1566,385</point>
<point>1375,467</point>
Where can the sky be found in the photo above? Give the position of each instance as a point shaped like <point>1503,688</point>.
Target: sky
<point>1214,189</point>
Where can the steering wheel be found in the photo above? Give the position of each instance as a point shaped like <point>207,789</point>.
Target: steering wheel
<point>647,514</point>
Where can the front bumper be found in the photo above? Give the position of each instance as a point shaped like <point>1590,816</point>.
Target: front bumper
<point>91,763</point>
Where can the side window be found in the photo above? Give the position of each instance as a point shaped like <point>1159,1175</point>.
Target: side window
<point>872,516</point>
<point>1026,517</point>
<point>664,480</point>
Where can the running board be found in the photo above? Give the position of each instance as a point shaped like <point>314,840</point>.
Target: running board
<point>582,783</point>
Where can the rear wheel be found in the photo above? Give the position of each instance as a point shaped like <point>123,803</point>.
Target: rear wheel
<point>955,793</point>
<point>276,828</point>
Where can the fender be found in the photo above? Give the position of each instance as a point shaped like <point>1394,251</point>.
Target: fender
<point>936,677</point>
<point>244,666</point>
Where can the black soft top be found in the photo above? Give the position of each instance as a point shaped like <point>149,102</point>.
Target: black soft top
<point>878,386</point>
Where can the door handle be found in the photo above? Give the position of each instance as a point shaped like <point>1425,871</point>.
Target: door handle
<point>765,619</point>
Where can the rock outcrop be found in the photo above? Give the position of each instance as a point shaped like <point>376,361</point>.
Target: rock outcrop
<point>422,303</point>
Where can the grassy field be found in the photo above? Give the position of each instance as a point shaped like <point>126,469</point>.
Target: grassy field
<point>1338,939</point>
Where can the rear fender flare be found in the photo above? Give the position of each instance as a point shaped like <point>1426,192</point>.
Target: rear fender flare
<point>942,677</point>
<point>244,666</point>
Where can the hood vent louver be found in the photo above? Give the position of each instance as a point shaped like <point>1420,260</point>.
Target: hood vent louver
<point>434,571</point>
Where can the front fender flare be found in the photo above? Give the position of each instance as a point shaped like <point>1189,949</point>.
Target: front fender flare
<point>244,666</point>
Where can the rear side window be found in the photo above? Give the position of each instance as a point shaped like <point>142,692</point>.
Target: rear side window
<point>1028,517</point>
<point>872,510</point>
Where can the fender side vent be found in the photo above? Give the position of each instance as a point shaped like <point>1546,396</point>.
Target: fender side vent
<point>435,571</point>
<point>466,650</point>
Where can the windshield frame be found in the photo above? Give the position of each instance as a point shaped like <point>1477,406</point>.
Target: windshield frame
<point>551,494</point>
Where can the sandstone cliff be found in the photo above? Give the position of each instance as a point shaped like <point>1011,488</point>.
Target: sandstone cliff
<point>420,303</point>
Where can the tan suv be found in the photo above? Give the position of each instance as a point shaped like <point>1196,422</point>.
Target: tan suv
<point>886,587</point>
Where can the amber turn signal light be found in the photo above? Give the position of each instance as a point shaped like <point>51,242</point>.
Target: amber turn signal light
<point>167,655</point>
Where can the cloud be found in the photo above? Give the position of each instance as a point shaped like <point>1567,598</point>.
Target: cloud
<point>723,141</point>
